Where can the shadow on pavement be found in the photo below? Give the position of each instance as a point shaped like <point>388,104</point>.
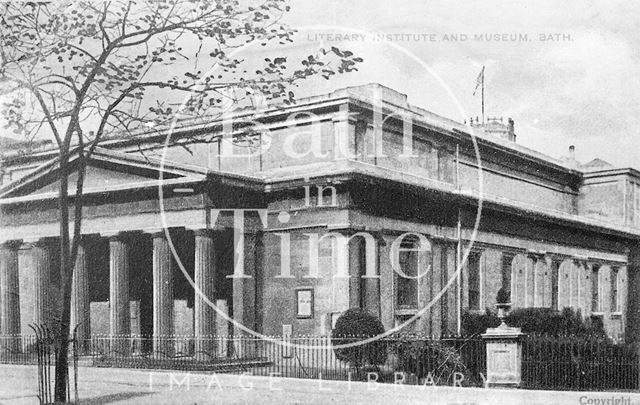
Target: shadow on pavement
<point>106,399</point>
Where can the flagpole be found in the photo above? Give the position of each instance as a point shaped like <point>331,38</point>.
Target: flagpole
<point>483,95</point>
<point>480,82</point>
<point>459,274</point>
<point>458,252</point>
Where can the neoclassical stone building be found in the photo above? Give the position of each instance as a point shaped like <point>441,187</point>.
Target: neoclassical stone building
<point>285,217</point>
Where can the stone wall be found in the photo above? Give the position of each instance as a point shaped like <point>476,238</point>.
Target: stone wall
<point>604,200</point>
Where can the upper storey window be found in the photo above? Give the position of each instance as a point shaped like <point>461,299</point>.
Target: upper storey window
<point>411,152</point>
<point>636,204</point>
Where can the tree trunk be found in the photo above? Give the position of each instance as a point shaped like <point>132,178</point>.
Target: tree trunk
<point>68,253</point>
<point>62,355</point>
<point>63,318</point>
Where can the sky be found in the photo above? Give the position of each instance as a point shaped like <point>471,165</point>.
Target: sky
<point>567,72</point>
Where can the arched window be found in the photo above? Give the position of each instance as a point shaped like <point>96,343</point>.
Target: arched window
<point>615,296</point>
<point>555,265</point>
<point>595,288</point>
<point>407,280</point>
<point>572,290</point>
<point>507,259</point>
<point>522,281</point>
<point>473,284</point>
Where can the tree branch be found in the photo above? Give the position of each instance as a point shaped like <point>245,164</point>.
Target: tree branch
<point>47,115</point>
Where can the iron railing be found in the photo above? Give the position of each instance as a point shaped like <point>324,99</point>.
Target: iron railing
<point>47,348</point>
<point>579,363</point>
<point>18,349</point>
<point>410,359</point>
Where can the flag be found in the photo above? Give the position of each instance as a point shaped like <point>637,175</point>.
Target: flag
<point>479,80</point>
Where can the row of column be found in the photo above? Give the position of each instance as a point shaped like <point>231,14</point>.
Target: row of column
<point>163,268</point>
<point>41,259</point>
<point>10,287</point>
<point>119,312</point>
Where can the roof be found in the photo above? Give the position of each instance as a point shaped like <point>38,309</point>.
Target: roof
<point>124,171</point>
<point>364,95</point>
<point>597,164</point>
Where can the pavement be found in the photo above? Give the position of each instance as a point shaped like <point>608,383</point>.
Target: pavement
<point>97,386</point>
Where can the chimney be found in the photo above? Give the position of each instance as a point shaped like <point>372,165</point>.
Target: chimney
<point>511,131</point>
<point>572,152</point>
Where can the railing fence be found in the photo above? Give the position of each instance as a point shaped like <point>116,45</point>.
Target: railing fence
<point>578,363</point>
<point>46,348</point>
<point>561,363</point>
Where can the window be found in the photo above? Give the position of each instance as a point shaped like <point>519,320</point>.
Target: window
<point>569,284</point>
<point>615,305</point>
<point>407,293</point>
<point>444,279</point>
<point>636,204</point>
<point>445,166</point>
<point>432,167</point>
<point>595,288</point>
<point>360,139</point>
<point>507,259</point>
<point>473,269</point>
<point>554,284</point>
<point>422,151</point>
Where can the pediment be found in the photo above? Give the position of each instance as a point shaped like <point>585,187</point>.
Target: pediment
<point>105,170</point>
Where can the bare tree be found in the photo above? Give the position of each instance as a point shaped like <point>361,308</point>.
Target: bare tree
<point>80,70</point>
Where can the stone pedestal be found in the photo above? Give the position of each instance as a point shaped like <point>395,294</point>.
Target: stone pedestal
<point>162,295</point>
<point>119,312</point>
<point>80,311</point>
<point>504,356</point>
<point>9,296</point>
<point>205,274</point>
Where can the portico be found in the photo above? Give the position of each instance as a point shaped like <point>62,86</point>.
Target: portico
<point>132,276</point>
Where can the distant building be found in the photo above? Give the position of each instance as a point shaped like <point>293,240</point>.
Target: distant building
<point>319,210</point>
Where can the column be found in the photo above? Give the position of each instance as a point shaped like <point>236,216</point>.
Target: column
<point>535,287</point>
<point>436,310</point>
<point>119,313</point>
<point>205,273</point>
<point>162,295</point>
<point>344,138</point>
<point>243,306</point>
<point>356,271</point>
<point>371,296</point>
<point>519,286</point>
<point>80,307</point>
<point>41,261</point>
<point>222,328</point>
<point>9,295</point>
<point>364,290</point>
<point>454,293</point>
<point>386,284</point>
